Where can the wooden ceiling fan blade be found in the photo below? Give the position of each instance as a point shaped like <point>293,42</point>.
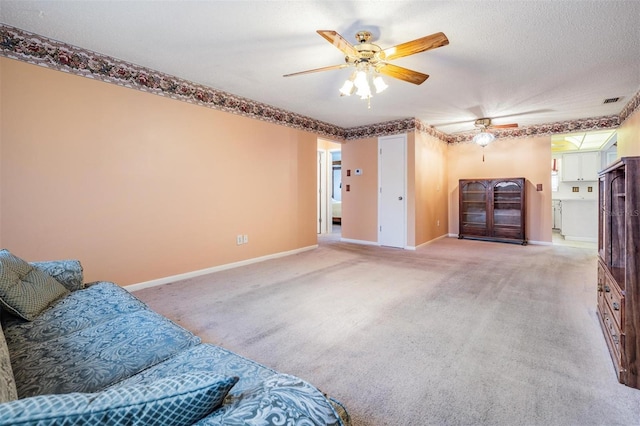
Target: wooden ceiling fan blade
<point>338,41</point>
<point>416,46</point>
<point>329,68</point>
<point>504,126</point>
<point>401,73</point>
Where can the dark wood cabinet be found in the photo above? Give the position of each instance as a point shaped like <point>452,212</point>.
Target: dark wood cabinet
<point>493,209</point>
<point>619,266</point>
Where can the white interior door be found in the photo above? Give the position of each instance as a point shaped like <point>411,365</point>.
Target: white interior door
<point>392,183</point>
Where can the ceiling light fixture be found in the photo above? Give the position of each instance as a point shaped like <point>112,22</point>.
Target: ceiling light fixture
<point>483,138</point>
<point>360,83</point>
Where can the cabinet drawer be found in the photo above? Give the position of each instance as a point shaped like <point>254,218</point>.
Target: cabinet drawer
<point>609,292</point>
<point>614,338</point>
<point>614,300</point>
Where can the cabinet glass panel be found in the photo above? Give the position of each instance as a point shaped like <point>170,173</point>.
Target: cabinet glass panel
<point>506,204</point>
<point>616,212</point>
<point>474,204</point>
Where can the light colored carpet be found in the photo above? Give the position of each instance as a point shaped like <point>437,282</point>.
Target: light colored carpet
<point>458,332</point>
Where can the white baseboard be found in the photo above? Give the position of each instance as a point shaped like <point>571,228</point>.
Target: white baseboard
<point>583,239</point>
<point>187,275</point>
<point>432,241</point>
<point>540,243</point>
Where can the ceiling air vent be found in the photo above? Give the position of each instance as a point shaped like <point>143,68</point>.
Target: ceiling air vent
<point>611,100</point>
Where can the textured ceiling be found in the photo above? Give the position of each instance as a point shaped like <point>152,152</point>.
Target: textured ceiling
<point>530,62</point>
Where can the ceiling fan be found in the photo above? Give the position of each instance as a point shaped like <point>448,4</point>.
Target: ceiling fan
<point>484,137</point>
<point>485,123</point>
<point>371,57</point>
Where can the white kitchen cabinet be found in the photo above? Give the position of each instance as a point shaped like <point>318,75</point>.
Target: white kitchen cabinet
<point>581,166</point>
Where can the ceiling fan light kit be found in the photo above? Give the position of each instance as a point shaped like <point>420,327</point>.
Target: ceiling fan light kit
<point>370,61</point>
<point>484,138</point>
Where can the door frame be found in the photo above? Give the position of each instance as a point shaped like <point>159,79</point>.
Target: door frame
<point>323,180</point>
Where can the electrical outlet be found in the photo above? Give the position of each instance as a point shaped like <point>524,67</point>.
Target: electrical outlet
<point>438,222</point>
<point>245,239</point>
<point>239,239</point>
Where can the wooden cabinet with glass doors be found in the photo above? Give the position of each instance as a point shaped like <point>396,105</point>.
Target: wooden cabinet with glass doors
<point>619,266</point>
<point>493,209</point>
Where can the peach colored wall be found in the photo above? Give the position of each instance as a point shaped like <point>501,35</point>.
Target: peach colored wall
<point>140,187</point>
<point>360,204</point>
<point>527,157</point>
<point>629,136</point>
<point>431,200</point>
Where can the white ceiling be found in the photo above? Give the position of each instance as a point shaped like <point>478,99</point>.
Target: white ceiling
<point>530,62</point>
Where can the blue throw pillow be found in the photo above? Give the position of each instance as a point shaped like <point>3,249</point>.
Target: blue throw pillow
<point>174,400</point>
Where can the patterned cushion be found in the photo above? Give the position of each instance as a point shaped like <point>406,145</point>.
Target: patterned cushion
<point>98,356</point>
<point>67,272</point>
<point>8,390</point>
<point>79,310</point>
<point>24,290</point>
<point>176,400</point>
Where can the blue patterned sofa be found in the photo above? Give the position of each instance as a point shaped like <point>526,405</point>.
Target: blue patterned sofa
<point>74,353</point>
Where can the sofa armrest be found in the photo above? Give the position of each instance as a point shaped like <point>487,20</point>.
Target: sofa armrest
<point>69,273</point>
<point>286,398</point>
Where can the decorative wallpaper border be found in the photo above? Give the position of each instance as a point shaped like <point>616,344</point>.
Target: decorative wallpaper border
<point>582,125</point>
<point>32,48</point>
<point>381,129</point>
<point>630,107</point>
<point>35,49</point>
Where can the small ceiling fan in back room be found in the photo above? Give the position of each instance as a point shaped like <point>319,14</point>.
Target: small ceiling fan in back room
<point>484,138</point>
<point>370,60</point>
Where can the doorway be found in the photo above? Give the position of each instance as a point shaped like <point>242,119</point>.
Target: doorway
<point>336,190</point>
<point>329,176</point>
<point>576,159</point>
